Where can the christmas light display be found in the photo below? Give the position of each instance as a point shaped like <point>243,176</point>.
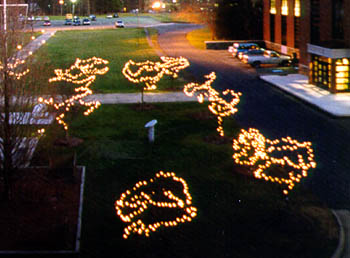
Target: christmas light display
<point>253,149</point>
<point>150,72</point>
<point>82,72</point>
<point>218,106</point>
<point>153,193</point>
<point>12,66</point>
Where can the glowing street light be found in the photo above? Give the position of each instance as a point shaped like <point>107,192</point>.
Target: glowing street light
<point>61,2</point>
<point>73,3</point>
<point>156,5</point>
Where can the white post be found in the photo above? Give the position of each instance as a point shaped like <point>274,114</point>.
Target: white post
<point>5,17</point>
<point>150,126</point>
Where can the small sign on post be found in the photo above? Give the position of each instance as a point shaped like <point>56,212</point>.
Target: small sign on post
<point>150,126</point>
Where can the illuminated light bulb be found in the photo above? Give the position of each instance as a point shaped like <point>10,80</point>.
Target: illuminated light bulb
<point>19,47</point>
<point>42,31</point>
<point>264,151</point>
<point>141,200</point>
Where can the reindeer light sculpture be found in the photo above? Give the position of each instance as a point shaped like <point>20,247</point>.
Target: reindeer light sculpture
<point>155,194</point>
<point>253,149</point>
<point>218,106</point>
<point>82,72</point>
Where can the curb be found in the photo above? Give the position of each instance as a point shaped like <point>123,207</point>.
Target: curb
<point>339,250</point>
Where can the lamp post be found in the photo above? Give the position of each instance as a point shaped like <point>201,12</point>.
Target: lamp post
<point>61,2</point>
<point>73,3</point>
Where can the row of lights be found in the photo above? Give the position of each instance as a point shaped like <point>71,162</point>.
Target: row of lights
<point>252,147</point>
<point>218,106</point>
<point>14,63</point>
<point>88,68</point>
<point>169,66</point>
<point>142,197</point>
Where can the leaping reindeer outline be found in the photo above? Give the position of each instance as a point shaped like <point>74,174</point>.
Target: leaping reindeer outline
<point>88,69</point>
<point>218,105</point>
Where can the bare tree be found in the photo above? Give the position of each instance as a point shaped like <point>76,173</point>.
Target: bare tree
<point>19,88</point>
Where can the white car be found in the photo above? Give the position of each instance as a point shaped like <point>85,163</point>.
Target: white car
<point>119,24</point>
<point>269,57</point>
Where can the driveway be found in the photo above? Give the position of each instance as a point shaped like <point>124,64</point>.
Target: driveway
<point>275,113</point>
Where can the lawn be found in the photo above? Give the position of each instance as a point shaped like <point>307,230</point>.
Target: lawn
<point>197,37</point>
<point>238,216</point>
<point>116,46</point>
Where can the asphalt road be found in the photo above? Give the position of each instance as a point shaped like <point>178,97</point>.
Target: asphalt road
<point>275,113</point>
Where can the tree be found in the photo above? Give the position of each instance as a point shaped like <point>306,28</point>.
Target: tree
<point>19,87</point>
<point>238,19</point>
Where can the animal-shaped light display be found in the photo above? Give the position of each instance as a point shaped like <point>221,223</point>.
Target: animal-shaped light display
<point>218,105</point>
<point>253,149</point>
<point>150,72</point>
<point>82,73</point>
<point>162,201</point>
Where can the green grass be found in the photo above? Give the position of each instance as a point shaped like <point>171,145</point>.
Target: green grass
<point>198,37</point>
<point>238,216</point>
<point>116,46</point>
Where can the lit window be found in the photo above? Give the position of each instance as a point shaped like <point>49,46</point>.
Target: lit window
<point>284,8</point>
<point>297,8</point>
<point>273,6</point>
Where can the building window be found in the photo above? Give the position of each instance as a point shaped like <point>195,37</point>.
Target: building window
<point>338,19</point>
<point>321,69</point>
<point>315,21</point>
<point>284,7</point>
<point>272,6</point>
<point>297,8</point>
<point>342,78</point>
<point>272,27</point>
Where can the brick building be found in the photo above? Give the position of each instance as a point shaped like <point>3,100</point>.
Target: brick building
<point>318,31</point>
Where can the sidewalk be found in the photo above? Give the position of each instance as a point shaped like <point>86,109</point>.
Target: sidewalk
<point>343,250</point>
<point>125,98</point>
<point>34,45</point>
<point>297,85</point>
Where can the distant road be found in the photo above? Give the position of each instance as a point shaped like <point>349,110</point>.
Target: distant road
<point>100,23</point>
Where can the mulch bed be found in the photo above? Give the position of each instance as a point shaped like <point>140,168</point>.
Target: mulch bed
<point>43,211</point>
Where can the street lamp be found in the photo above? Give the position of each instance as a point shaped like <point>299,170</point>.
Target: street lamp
<point>73,3</point>
<point>61,2</point>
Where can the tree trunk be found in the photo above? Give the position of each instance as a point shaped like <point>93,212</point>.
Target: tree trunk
<point>7,140</point>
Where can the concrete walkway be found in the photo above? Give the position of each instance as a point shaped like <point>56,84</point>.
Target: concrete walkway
<point>125,98</point>
<point>34,45</point>
<point>297,85</point>
<point>343,250</point>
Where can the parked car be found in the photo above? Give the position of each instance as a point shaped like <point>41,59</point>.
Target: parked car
<point>242,47</point>
<point>119,24</point>
<point>269,57</point>
<point>38,18</point>
<point>109,16</point>
<point>68,22</point>
<point>76,21</point>
<point>251,52</point>
<point>86,21</point>
<point>47,23</point>
<point>92,17</point>
<point>115,15</point>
